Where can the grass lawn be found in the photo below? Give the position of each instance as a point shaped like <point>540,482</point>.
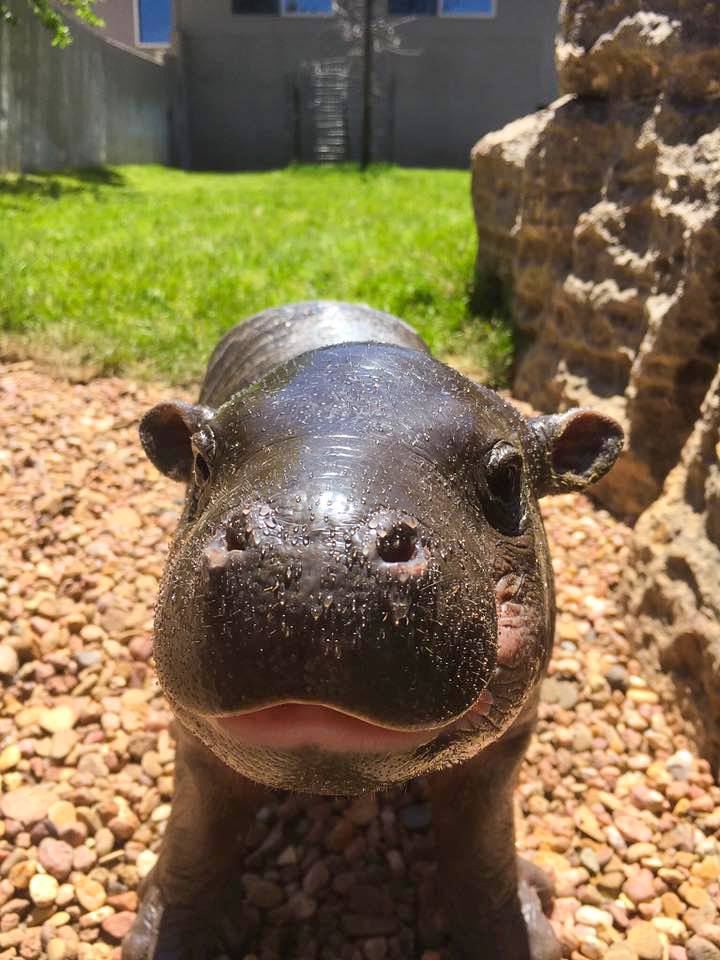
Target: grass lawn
<point>142,269</point>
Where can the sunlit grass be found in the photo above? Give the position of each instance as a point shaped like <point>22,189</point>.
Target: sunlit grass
<point>143,268</point>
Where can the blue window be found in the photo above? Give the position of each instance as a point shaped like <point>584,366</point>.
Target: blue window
<point>308,7</point>
<point>154,19</point>
<point>467,8</point>
<point>443,8</point>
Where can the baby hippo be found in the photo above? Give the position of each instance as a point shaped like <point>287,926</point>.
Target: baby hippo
<point>359,592</point>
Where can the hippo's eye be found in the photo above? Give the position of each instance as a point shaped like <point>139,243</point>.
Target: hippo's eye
<point>503,472</point>
<point>504,467</point>
<point>201,469</point>
<point>203,447</point>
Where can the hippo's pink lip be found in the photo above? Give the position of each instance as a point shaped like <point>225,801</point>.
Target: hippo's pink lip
<point>289,726</point>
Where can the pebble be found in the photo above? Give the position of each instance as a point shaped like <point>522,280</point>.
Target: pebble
<point>56,857</point>
<point>694,896</point>
<point>588,858</point>
<point>21,873</point>
<point>593,917</point>
<point>617,677</point>
<point>645,941</point>
<point>262,893</point>
<point>621,951</point>
<point>90,893</point>
<point>57,719</point>
<point>674,929</point>
<point>62,743</point>
<point>27,804</point>
<point>116,926</point>
<point>640,886</point>
<point>57,949</point>
<point>633,829</point>
<point>680,765</point>
<point>146,860</point>
<point>317,877</point>
<point>698,948</point>
<point>9,662</point>
<point>104,841</point>
<point>375,948</point>
<point>62,814</point>
<point>363,810</point>
<point>562,692</point>
<point>302,906</point>
<point>672,905</point>
<point>10,757</point>
<point>43,889</point>
<point>416,816</point>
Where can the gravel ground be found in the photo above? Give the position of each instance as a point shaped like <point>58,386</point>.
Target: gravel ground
<point>612,797</point>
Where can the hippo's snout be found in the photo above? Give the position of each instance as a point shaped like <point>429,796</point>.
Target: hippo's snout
<point>310,597</point>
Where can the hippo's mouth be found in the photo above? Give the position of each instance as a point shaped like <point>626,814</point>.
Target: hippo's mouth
<point>292,726</point>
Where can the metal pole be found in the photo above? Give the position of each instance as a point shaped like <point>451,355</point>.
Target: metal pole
<point>366,145</point>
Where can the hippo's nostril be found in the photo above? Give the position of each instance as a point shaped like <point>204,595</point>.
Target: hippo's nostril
<point>398,543</point>
<point>238,537</point>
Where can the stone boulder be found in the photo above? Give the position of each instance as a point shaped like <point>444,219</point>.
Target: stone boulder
<point>604,210</point>
<point>497,189</point>
<point>672,585</point>
<point>603,213</point>
<point>640,48</point>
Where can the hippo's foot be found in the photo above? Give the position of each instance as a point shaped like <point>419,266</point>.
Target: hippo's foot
<point>162,932</point>
<point>535,901</point>
<point>521,930</point>
<point>536,878</point>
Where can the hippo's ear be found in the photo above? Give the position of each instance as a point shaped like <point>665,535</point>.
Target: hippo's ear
<point>165,433</point>
<point>576,448</point>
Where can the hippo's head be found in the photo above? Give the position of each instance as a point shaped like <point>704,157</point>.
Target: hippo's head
<point>360,590</point>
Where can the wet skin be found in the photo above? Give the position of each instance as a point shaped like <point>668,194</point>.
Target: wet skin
<point>359,592</point>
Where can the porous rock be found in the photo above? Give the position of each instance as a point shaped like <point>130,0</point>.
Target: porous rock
<point>607,217</point>
<point>672,580</point>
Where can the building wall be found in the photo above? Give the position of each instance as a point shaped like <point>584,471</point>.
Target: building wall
<point>461,78</point>
<point>90,104</point>
<point>119,17</point>
<point>121,26</point>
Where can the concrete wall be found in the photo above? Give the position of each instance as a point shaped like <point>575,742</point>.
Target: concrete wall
<point>92,103</point>
<point>467,76</point>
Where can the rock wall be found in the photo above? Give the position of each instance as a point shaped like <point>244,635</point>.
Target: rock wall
<point>604,213</point>
<point>672,584</point>
<point>605,210</point>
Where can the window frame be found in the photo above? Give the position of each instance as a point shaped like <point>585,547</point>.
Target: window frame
<point>283,12</point>
<point>156,44</point>
<point>441,14</point>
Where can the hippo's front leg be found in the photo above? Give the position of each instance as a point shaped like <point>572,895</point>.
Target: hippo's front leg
<point>213,808</point>
<point>492,900</point>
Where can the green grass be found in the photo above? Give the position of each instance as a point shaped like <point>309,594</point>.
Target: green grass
<point>142,269</point>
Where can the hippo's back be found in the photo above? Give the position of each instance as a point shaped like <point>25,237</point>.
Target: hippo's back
<point>257,345</point>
